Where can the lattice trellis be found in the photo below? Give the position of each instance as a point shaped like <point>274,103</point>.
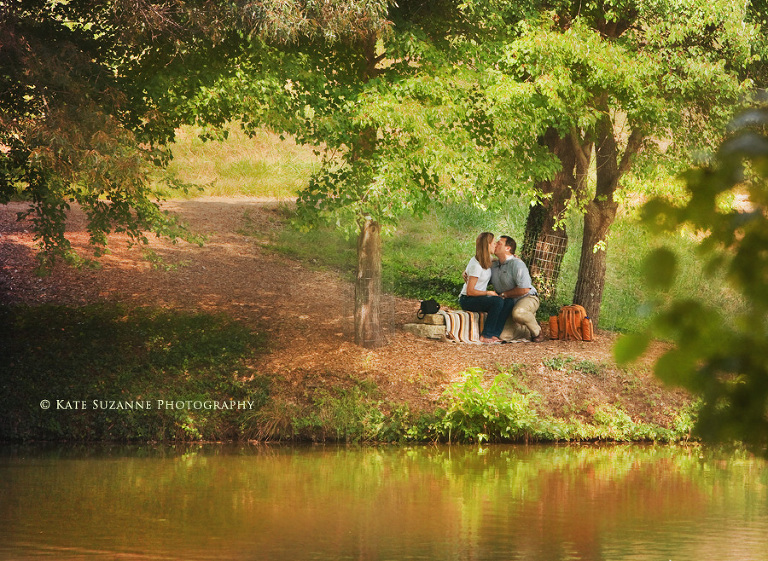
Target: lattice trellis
<point>546,262</point>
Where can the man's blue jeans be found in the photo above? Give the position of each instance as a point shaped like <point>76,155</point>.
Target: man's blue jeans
<point>498,310</point>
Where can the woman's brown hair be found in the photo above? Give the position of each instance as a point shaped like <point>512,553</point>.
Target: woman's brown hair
<point>482,253</point>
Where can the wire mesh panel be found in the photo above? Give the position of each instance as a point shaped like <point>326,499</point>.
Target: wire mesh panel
<point>546,263</point>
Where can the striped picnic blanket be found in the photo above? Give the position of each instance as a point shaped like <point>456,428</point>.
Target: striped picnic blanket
<point>463,327</point>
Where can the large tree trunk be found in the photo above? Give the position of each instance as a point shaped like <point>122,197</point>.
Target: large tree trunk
<point>368,322</point>
<point>544,246</point>
<point>591,281</point>
<point>601,213</point>
<point>546,238</point>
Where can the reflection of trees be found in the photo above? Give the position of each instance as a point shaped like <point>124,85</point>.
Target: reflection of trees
<point>432,502</point>
<point>567,502</point>
<point>584,499</point>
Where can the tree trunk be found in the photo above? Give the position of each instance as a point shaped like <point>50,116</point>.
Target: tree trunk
<point>368,327</point>
<point>591,281</point>
<point>601,212</point>
<point>369,331</point>
<point>546,238</point>
<point>544,246</point>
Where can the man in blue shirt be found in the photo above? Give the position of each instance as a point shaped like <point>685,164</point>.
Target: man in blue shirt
<point>511,279</point>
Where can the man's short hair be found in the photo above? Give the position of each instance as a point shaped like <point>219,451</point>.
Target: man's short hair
<point>510,243</point>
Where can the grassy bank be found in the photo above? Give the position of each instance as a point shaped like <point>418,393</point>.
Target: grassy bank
<point>110,373</point>
<point>473,410</point>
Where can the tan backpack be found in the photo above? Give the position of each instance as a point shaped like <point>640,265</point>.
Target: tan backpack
<point>571,324</point>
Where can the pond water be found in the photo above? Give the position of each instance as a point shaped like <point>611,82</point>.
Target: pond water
<point>262,502</point>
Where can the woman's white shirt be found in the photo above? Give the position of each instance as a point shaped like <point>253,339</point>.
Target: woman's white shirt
<point>474,269</point>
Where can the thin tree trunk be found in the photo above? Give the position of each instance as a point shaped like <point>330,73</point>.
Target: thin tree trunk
<point>368,295</point>
<point>583,149</point>
<point>368,327</point>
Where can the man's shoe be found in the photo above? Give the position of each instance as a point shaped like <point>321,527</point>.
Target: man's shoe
<point>539,338</point>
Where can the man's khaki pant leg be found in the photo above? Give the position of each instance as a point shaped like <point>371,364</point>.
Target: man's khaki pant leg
<point>524,313</point>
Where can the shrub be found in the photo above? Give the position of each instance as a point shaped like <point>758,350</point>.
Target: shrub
<point>498,412</point>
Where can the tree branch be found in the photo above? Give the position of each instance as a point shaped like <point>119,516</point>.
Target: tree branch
<point>577,147</point>
<point>633,147</point>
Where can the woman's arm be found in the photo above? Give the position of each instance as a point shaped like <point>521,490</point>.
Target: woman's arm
<point>515,292</point>
<point>472,292</point>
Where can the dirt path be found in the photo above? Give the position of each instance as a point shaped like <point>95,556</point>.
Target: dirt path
<point>306,313</point>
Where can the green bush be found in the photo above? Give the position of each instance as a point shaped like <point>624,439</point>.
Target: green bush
<point>341,414</point>
<point>499,412</point>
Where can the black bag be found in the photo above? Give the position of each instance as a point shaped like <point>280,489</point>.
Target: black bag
<point>428,307</point>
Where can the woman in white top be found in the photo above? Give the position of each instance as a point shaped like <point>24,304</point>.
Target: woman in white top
<point>475,296</point>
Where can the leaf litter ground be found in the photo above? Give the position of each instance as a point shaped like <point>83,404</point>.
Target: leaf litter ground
<point>306,314</point>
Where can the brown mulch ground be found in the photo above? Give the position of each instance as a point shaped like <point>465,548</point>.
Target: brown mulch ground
<point>307,314</point>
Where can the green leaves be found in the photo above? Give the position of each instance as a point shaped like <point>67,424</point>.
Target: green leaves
<point>660,269</point>
<point>75,128</point>
<point>631,346</point>
<point>500,411</point>
<point>722,359</point>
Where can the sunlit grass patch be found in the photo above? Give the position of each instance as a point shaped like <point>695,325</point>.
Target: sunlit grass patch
<point>240,166</point>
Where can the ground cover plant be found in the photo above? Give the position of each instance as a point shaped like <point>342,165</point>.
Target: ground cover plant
<point>481,407</point>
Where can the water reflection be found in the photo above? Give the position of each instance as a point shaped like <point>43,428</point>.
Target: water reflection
<point>464,503</point>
